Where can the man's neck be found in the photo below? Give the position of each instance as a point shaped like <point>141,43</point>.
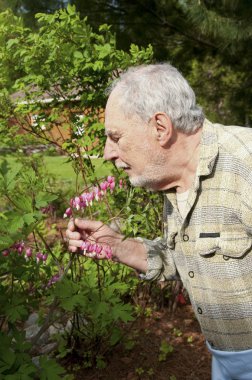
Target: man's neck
<point>184,159</point>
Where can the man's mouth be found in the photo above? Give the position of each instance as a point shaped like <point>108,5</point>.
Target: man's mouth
<point>124,167</point>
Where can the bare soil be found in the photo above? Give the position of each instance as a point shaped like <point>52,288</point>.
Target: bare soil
<point>190,359</point>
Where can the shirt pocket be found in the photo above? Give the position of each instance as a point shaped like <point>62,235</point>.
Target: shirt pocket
<point>228,245</point>
<point>207,246</point>
<point>234,245</point>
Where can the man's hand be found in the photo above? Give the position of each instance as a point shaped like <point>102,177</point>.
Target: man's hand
<point>130,252</point>
<point>81,232</point>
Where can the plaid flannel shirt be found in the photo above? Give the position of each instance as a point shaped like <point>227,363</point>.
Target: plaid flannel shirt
<point>210,249</point>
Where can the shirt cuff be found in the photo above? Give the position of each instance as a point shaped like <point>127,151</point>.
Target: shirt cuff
<point>155,264</point>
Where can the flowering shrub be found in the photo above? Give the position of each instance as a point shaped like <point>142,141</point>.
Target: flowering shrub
<point>36,270</point>
<point>86,199</point>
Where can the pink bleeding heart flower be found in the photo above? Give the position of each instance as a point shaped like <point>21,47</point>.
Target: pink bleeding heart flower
<point>108,252</point>
<point>28,253</point>
<point>19,247</point>
<point>53,280</point>
<point>98,249</point>
<point>6,253</point>
<point>39,257</point>
<point>90,198</point>
<point>91,248</point>
<point>77,202</point>
<point>97,194</point>
<point>104,186</point>
<point>85,247</point>
<point>68,212</point>
<point>110,179</point>
<point>112,186</point>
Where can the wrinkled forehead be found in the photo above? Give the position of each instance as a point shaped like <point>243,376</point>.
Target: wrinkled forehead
<point>115,112</point>
<point>114,103</point>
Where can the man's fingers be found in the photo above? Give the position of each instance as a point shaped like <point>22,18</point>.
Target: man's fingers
<point>88,225</point>
<point>73,235</point>
<point>72,249</point>
<point>75,243</point>
<point>71,226</point>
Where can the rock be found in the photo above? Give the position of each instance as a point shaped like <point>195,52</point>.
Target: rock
<point>48,348</point>
<point>31,332</point>
<point>35,361</point>
<point>56,328</point>
<point>32,320</point>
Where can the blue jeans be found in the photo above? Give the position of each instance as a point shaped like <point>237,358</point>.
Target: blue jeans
<point>229,365</point>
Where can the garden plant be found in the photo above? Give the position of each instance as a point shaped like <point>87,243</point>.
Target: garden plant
<point>53,95</point>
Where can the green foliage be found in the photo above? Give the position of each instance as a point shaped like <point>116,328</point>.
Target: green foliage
<point>223,72</point>
<point>165,350</point>
<point>51,370</point>
<point>25,196</point>
<point>66,61</point>
<point>177,332</point>
<point>59,79</point>
<point>172,377</point>
<point>96,301</point>
<point>139,371</point>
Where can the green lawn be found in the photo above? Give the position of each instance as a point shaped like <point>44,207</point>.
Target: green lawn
<point>63,170</point>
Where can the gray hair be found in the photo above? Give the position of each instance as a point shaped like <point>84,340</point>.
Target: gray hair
<point>147,89</point>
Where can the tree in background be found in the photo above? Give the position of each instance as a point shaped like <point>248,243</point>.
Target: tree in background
<point>225,71</point>
<point>208,40</point>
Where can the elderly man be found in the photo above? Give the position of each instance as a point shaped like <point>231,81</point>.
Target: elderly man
<point>159,136</point>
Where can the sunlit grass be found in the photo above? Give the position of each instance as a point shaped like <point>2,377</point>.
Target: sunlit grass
<point>62,168</point>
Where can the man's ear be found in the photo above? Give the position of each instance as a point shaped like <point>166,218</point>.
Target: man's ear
<point>163,128</point>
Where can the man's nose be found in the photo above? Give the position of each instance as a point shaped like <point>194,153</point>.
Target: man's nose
<point>110,151</point>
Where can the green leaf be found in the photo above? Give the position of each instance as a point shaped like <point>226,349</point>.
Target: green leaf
<point>71,9</point>
<point>7,356</point>
<point>26,371</point>
<point>15,312</point>
<point>15,224</point>
<point>104,51</point>
<point>24,203</point>
<point>11,42</point>
<point>5,242</point>
<point>29,218</point>
<point>43,199</point>
<point>50,369</point>
<point>11,174</point>
<point>115,336</point>
<point>78,54</point>
<point>123,312</point>
<point>98,65</point>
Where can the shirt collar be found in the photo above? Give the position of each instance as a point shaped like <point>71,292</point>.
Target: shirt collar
<point>208,149</point>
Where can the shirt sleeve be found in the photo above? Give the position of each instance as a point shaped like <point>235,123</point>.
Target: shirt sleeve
<point>246,207</point>
<point>160,264</point>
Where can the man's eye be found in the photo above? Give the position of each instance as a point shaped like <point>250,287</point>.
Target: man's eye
<point>115,139</point>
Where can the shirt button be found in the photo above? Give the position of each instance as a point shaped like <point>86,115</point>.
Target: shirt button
<point>199,310</point>
<point>185,237</point>
<point>226,258</point>
<point>191,274</point>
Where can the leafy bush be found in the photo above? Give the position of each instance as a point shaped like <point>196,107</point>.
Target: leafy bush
<point>61,72</point>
